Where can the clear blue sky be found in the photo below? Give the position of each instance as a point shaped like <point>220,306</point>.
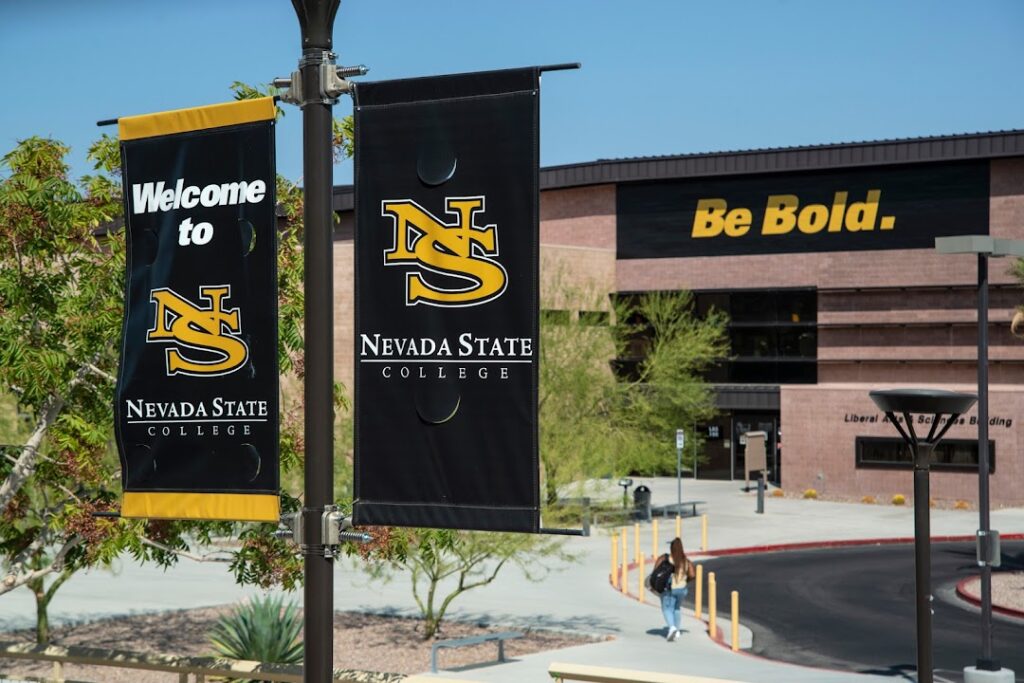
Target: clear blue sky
<point>658,77</point>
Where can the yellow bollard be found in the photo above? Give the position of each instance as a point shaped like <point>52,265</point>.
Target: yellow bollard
<point>625,563</point>
<point>654,539</point>
<point>636,543</point>
<point>735,621</point>
<point>615,562</point>
<point>704,533</point>
<point>712,606</point>
<point>679,526</point>
<point>698,595</point>
<point>640,578</point>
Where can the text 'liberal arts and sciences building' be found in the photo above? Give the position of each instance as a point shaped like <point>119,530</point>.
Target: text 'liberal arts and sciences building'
<point>823,258</point>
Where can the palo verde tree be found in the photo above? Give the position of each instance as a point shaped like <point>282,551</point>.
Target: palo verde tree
<point>442,564</point>
<point>615,386</point>
<point>671,348</point>
<point>61,305</point>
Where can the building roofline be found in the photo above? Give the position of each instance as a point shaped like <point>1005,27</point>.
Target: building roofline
<point>931,149</point>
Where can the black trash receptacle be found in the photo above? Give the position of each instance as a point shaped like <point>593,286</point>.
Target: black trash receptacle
<point>642,502</point>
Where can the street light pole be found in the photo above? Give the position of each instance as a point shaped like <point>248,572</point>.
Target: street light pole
<point>984,247</point>
<point>316,20</point>
<point>944,407</point>
<point>985,662</point>
<point>922,556</point>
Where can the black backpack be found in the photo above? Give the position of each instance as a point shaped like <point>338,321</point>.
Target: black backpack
<point>661,577</point>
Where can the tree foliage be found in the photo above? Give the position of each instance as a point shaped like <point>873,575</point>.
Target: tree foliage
<point>62,260</point>
<point>595,422</point>
<point>444,563</point>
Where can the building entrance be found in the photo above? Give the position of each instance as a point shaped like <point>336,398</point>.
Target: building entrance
<point>756,422</point>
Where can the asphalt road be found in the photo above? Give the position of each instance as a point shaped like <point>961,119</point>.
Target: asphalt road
<point>853,608</point>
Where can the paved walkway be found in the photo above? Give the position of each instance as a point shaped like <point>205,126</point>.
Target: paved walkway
<point>576,598</point>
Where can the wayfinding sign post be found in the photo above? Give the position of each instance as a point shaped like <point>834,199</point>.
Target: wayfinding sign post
<point>680,445</point>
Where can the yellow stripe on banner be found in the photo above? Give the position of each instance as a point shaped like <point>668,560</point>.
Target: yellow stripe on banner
<point>196,118</point>
<point>241,507</point>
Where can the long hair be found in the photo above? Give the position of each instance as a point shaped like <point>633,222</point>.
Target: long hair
<point>678,556</point>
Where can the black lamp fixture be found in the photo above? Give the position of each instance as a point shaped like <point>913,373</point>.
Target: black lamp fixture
<point>625,483</point>
<point>943,407</point>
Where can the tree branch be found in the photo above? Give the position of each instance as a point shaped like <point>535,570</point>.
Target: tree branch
<point>207,557</point>
<point>26,463</point>
<point>15,579</point>
<point>100,373</point>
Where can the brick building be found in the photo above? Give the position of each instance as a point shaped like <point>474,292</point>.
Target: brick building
<point>823,258</point>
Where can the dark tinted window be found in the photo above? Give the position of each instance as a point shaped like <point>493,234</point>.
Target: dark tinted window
<point>773,335</point>
<point>951,454</point>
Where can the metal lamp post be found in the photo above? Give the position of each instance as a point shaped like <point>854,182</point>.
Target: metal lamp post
<point>903,404</point>
<point>316,68</point>
<point>984,247</point>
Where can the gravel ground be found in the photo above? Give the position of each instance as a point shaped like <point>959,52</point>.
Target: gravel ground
<point>1007,589</point>
<point>361,641</point>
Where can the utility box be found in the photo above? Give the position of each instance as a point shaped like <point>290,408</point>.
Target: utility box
<point>756,458</point>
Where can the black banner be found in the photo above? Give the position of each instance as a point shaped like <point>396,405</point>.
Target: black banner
<point>895,207</point>
<point>197,392</point>
<point>447,301</point>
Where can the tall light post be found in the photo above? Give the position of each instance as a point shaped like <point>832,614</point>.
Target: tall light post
<point>987,668</point>
<point>315,90</point>
<point>943,407</point>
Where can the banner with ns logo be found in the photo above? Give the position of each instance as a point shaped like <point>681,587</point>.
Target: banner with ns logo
<point>446,253</point>
<point>196,407</point>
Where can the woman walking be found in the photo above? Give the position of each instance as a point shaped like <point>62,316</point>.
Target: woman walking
<point>672,597</point>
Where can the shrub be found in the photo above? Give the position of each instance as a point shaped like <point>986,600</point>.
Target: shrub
<point>870,500</point>
<point>810,494</point>
<point>261,630</point>
<point>778,493</point>
<point>961,505</point>
<point>899,499</point>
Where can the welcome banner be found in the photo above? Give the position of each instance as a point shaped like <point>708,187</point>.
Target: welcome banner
<point>196,412</point>
<point>447,301</point>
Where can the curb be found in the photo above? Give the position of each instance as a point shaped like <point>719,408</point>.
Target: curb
<point>967,596</point>
<point>814,545</point>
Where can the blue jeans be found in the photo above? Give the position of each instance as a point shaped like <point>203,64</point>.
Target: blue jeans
<point>671,600</point>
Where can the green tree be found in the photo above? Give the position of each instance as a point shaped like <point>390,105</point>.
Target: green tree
<point>444,563</point>
<point>61,291</point>
<point>59,312</point>
<point>595,422</point>
<point>673,348</point>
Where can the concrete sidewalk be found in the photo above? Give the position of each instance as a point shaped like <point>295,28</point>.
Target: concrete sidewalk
<point>581,598</point>
<point>576,597</point>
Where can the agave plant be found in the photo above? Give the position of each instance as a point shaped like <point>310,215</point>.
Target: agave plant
<point>263,630</point>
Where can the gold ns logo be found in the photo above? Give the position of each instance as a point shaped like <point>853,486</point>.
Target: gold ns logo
<point>456,250</point>
<point>207,330</point>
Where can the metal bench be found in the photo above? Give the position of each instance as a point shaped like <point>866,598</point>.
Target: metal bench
<point>678,508</point>
<point>473,640</point>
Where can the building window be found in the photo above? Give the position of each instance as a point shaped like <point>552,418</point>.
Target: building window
<point>773,335</point>
<point>957,455</point>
